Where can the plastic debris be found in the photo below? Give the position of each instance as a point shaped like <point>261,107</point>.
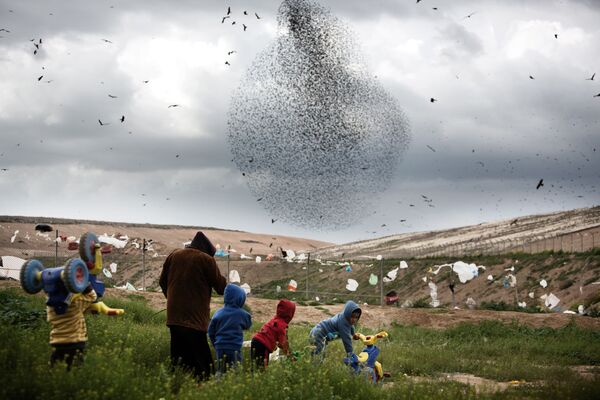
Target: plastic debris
<point>106,273</point>
<point>246,288</point>
<point>511,269</point>
<point>424,279</point>
<point>258,259</point>
<point>119,244</point>
<point>465,271</point>
<point>490,277</point>
<point>352,285</point>
<point>403,264</point>
<point>433,293</point>
<point>373,280</point>
<point>531,295</point>
<point>580,309</point>
<point>569,312</point>
<point>221,253</point>
<point>317,298</point>
<point>543,283</point>
<point>13,237</point>
<point>292,285</point>
<point>234,276</point>
<point>522,304</point>
<point>391,276</point>
<point>245,257</point>
<point>278,289</point>
<point>471,303</point>
<point>379,257</point>
<point>11,267</point>
<point>551,301</point>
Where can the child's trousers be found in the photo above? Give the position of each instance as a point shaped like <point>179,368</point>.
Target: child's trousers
<point>71,353</point>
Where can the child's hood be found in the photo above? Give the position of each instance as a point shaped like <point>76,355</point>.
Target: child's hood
<point>234,296</point>
<point>286,310</point>
<point>349,308</point>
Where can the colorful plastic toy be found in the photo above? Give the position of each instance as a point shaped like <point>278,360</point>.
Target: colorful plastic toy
<point>61,284</point>
<point>366,362</point>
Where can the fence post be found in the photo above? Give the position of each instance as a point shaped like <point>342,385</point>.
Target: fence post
<point>228,259</point>
<point>381,281</point>
<point>144,264</point>
<point>307,266</point>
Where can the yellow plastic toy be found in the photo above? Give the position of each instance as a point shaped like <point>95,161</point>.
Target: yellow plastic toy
<point>366,361</point>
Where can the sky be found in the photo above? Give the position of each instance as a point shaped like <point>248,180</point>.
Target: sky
<point>513,103</point>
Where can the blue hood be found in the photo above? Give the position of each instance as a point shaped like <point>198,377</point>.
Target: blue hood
<point>349,308</point>
<point>234,296</point>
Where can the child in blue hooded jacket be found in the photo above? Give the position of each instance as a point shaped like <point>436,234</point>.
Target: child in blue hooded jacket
<point>340,325</point>
<point>226,328</point>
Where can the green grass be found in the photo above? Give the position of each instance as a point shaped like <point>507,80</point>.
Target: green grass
<point>127,357</point>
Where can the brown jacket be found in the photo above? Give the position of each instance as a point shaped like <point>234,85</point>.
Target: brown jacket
<point>187,279</point>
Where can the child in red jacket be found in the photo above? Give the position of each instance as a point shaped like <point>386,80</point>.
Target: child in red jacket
<point>272,334</point>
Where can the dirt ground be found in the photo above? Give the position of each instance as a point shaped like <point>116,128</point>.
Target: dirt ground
<point>378,317</point>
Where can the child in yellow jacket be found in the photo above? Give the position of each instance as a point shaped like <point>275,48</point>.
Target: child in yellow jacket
<point>68,336</point>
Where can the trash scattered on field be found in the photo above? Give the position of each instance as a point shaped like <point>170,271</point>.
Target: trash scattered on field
<point>352,285</point>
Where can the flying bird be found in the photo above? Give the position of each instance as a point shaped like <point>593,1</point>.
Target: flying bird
<point>273,220</point>
<point>103,123</point>
<point>592,78</point>
<point>106,40</point>
<point>540,184</point>
<point>122,118</point>
<point>245,27</point>
<point>432,100</point>
<point>257,17</point>
<point>245,12</point>
<point>227,63</point>
<point>231,52</point>
<point>173,105</point>
<point>228,10</point>
<point>556,35</point>
<point>431,148</point>
<point>224,18</point>
<point>145,81</point>
<point>470,15</point>
<point>598,95</point>
<point>40,78</point>
<point>112,96</point>
<point>531,77</point>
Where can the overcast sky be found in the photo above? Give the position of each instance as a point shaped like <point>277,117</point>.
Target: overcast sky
<point>514,104</point>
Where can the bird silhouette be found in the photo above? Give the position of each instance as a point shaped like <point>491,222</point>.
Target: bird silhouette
<point>273,220</point>
<point>122,118</point>
<point>432,100</point>
<point>173,105</point>
<point>470,15</point>
<point>233,23</point>
<point>228,10</point>
<point>592,78</point>
<point>40,78</point>
<point>103,123</point>
<point>245,12</point>
<point>431,148</point>
<point>531,77</point>
<point>257,17</point>
<point>227,63</point>
<point>231,52</point>
<point>224,18</point>
<point>598,95</point>
<point>245,27</point>
<point>540,184</point>
<point>556,35</point>
<point>106,40</point>
<point>112,96</point>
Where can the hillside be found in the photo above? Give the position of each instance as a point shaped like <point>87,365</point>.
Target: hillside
<point>571,276</point>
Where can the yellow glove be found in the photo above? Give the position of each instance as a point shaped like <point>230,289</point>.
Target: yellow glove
<point>101,308</point>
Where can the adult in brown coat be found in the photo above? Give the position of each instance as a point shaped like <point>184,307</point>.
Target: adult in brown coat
<point>187,279</point>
